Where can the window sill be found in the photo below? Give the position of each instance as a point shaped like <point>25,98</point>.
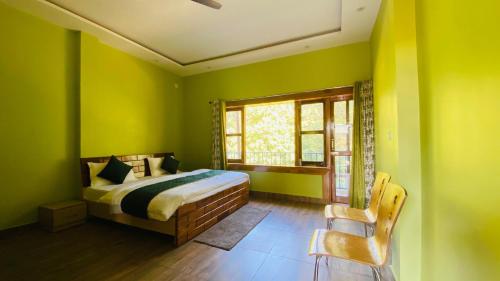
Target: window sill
<point>308,170</point>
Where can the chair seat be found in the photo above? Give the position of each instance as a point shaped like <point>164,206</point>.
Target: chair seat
<point>337,211</point>
<point>345,246</point>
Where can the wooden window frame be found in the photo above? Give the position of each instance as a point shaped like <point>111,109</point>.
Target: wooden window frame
<point>325,96</point>
<point>332,140</point>
<point>242,134</point>
<point>332,152</point>
<point>299,132</point>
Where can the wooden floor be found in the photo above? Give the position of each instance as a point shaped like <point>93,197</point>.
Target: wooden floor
<point>276,250</point>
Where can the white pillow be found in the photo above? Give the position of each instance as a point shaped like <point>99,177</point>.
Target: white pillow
<point>96,168</point>
<point>155,166</point>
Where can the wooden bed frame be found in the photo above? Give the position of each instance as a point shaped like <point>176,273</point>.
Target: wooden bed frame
<point>188,221</point>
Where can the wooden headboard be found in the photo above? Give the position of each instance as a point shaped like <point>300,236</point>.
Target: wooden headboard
<point>139,163</point>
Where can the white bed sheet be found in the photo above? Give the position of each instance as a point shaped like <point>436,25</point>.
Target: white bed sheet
<point>164,205</point>
<point>94,193</point>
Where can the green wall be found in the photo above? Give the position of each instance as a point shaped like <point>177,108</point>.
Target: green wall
<point>383,47</point>
<point>436,76</point>
<point>38,115</point>
<point>459,66</point>
<point>293,184</point>
<point>128,105</point>
<point>64,94</point>
<point>385,97</point>
<point>397,125</point>
<point>333,67</point>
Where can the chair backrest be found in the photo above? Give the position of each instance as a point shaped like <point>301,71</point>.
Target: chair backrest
<point>390,207</point>
<point>379,185</point>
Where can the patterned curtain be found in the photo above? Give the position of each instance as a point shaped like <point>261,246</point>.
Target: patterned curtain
<point>218,135</point>
<point>363,166</point>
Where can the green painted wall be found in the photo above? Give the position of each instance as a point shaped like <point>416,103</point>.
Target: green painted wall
<point>385,97</point>
<point>333,67</point>
<point>450,228</point>
<point>59,89</point>
<point>385,104</point>
<point>459,66</point>
<point>128,105</point>
<point>293,184</point>
<point>64,94</point>
<point>38,115</point>
<point>397,122</point>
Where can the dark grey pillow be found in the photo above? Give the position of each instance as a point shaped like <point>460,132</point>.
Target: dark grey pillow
<point>170,164</point>
<point>115,171</point>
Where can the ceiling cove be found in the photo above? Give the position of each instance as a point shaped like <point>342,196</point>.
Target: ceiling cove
<point>188,38</point>
<point>186,63</point>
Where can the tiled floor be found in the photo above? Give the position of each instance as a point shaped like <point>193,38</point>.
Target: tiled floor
<point>275,250</point>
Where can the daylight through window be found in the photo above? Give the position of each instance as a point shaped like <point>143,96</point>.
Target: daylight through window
<point>290,132</point>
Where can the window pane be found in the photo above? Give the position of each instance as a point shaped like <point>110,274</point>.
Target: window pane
<point>339,112</point>
<point>270,134</point>
<point>313,148</point>
<point>311,116</point>
<point>341,137</point>
<point>233,147</point>
<point>342,175</point>
<point>233,122</point>
<point>342,128</point>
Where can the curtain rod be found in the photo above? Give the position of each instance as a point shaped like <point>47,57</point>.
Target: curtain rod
<point>287,94</point>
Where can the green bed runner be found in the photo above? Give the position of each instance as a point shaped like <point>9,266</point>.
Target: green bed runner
<point>137,201</point>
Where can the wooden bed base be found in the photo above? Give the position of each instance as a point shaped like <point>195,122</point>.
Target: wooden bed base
<point>189,220</point>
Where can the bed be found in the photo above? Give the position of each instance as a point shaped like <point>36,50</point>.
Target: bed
<point>195,207</point>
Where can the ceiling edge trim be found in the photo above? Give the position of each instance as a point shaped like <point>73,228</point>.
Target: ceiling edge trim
<point>265,46</point>
<point>180,63</point>
<point>75,14</point>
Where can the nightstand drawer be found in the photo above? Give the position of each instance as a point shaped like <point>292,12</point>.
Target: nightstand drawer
<point>58,216</point>
<point>69,215</point>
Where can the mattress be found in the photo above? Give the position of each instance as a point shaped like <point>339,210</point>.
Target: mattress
<point>164,205</point>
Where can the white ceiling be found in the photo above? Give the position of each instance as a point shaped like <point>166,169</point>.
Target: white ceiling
<point>188,38</point>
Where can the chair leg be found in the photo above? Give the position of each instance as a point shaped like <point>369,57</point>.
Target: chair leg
<point>315,277</point>
<point>316,268</point>
<point>379,271</point>
<point>376,273</point>
<point>369,229</point>
<point>329,224</point>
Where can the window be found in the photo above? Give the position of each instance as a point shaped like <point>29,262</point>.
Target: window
<point>312,133</point>
<point>341,145</point>
<point>270,134</point>
<point>306,133</point>
<point>234,135</point>
<point>283,130</point>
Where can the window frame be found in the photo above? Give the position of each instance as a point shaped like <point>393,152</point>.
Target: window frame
<point>333,153</point>
<point>299,132</point>
<point>325,96</point>
<point>242,134</point>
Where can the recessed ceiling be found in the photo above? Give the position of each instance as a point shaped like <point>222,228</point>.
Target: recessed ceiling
<point>188,38</point>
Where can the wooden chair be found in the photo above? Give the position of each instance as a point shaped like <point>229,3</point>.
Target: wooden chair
<point>366,216</point>
<point>371,251</point>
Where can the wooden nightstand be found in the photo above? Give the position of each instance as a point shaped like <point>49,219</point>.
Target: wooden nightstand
<point>62,215</point>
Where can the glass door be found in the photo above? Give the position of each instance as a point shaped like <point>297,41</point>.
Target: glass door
<point>340,148</point>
